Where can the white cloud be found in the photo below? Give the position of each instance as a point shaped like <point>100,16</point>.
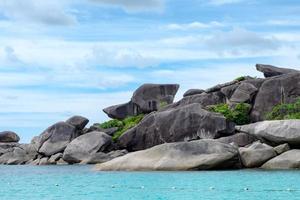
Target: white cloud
<point>133,5</point>
<point>194,25</point>
<point>35,11</point>
<point>284,22</point>
<point>223,2</point>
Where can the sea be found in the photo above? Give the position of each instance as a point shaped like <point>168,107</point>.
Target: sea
<point>82,182</point>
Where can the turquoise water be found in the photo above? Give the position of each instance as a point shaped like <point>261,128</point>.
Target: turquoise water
<point>80,182</point>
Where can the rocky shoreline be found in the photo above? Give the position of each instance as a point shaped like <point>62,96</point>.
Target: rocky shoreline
<point>222,127</point>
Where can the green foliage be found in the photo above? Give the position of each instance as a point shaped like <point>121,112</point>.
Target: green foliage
<point>122,125</point>
<point>285,111</point>
<point>239,114</point>
<point>241,78</point>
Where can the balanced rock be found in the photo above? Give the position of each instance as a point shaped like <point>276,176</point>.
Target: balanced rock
<point>56,138</point>
<point>9,136</point>
<point>147,98</point>
<point>185,123</point>
<point>274,91</point>
<point>194,155</point>
<point>270,70</point>
<point>78,122</point>
<point>86,145</point>
<point>256,154</point>
<point>287,160</point>
<point>278,132</point>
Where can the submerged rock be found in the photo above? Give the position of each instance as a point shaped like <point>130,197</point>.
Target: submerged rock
<point>278,132</point>
<point>256,154</point>
<point>287,160</point>
<point>9,136</point>
<point>194,155</point>
<point>85,146</point>
<point>180,124</point>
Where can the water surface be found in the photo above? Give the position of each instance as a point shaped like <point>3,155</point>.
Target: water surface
<point>81,182</point>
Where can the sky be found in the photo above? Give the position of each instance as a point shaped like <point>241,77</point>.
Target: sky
<point>60,58</point>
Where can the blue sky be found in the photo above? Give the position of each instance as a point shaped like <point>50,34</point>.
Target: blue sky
<point>59,58</point>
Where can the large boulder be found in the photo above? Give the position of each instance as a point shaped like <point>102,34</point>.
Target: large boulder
<point>147,98</point>
<point>243,93</point>
<point>191,92</point>
<point>239,139</point>
<point>256,154</point>
<point>277,132</point>
<point>185,123</point>
<point>86,145</point>
<point>78,122</point>
<point>9,136</point>
<point>55,138</point>
<point>287,160</point>
<point>101,157</point>
<point>270,70</point>
<point>15,156</point>
<point>194,155</point>
<point>274,91</point>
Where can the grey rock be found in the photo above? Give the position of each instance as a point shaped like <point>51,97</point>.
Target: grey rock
<point>9,136</point>
<point>256,154</point>
<point>270,70</point>
<point>191,92</point>
<point>54,158</point>
<point>101,157</point>
<point>220,86</point>
<point>286,160</point>
<point>61,162</point>
<point>243,93</point>
<point>44,161</point>
<point>277,132</point>
<point>228,90</point>
<point>185,123</point>
<point>194,155</point>
<point>86,145</point>
<point>122,111</point>
<point>239,139</point>
<point>15,157</point>
<point>78,121</point>
<point>282,148</point>
<point>274,91</point>
<point>56,138</point>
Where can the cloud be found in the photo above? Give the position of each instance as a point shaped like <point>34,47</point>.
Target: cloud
<point>35,11</point>
<point>194,25</point>
<point>284,22</point>
<point>223,2</point>
<point>133,5</point>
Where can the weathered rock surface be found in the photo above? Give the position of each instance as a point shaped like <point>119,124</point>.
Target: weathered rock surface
<point>278,132</point>
<point>276,90</point>
<point>9,136</point>
<point>287,160</point>
<point>54,158</point>
<point>270,70</point>
<point>194,155</point>
<point>101,157</point>
<point>239,139</point>
<point>243,93</point>
<point>86,145</point>
<point>122,111</point>
<point>282,148</point>
<point>191,92</point>
<point>78,122</point>
<point>15,156</point>
<point>256,154</point>
<point>180,124</point>
<point>56,138</point>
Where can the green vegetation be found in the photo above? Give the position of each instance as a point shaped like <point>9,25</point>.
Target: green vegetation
<point>239,114</point>
<point>285,111</point>
<point>122,125</point>
<point>241,78</point>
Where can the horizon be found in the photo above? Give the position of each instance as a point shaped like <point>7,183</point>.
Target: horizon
<point>62,58</point>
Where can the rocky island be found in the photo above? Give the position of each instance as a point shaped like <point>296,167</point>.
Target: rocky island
<point>246,123</point>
